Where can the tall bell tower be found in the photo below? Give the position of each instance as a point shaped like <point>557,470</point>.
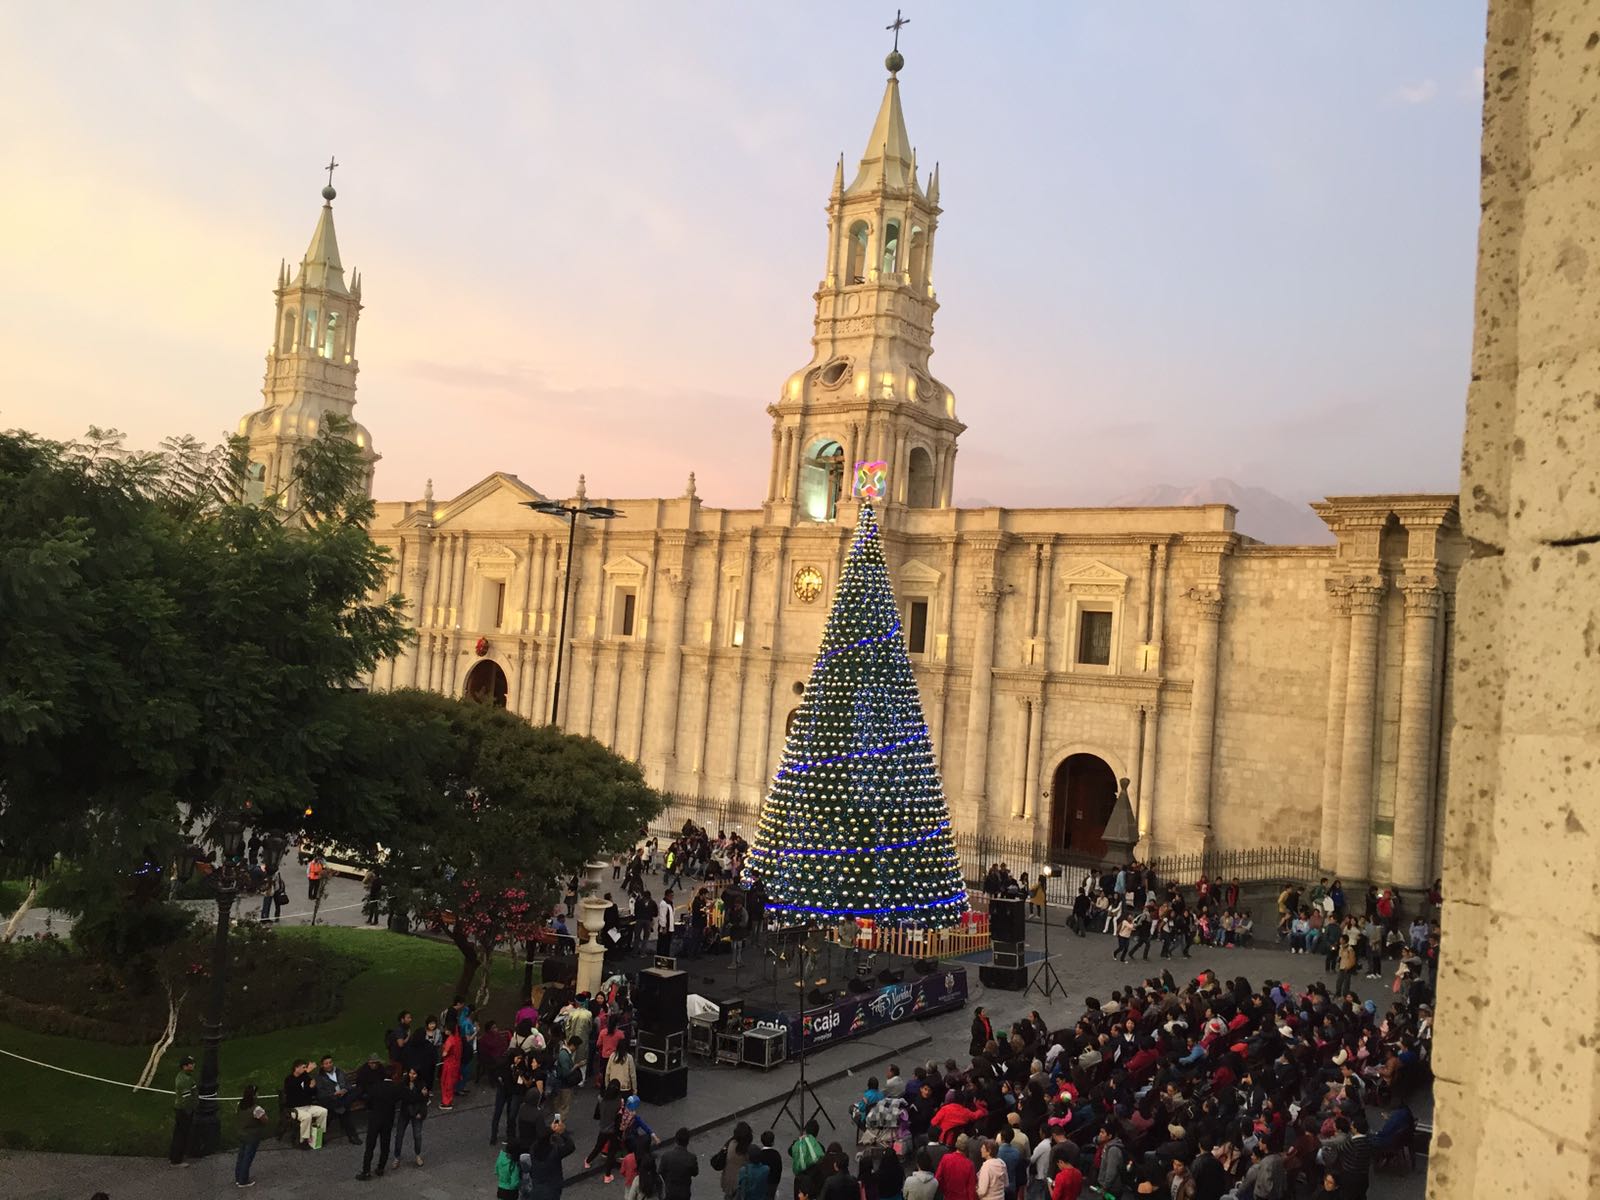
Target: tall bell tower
<point>867,394</point>
<point>311,363</point>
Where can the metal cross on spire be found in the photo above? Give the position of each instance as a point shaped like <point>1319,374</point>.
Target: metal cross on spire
<point>896,25</point>
<point>332,164</point>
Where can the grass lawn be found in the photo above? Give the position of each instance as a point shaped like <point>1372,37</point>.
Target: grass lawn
<point>400,972</point>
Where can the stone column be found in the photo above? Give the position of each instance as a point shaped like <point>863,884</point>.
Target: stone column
<point>1202,715</point>
<point>1333,730</point>
<point>707,679</point>
<point>897,469</point>
<point>1147,770</point>
<point>1413,791</point>
<point>775,474</point>
<point>672,669</point>
<point>949,478</point>
<point>1355,767</point>
<point>975,776</point>
<point>763,736</point>
<point>1019,776</point>
<point>1035,750</point>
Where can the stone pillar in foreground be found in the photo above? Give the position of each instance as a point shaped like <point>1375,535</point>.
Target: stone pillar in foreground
<point>1516,1052</point>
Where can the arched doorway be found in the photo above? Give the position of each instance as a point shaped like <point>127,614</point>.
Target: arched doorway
<point>486,683</point>
<point>1081,797</point>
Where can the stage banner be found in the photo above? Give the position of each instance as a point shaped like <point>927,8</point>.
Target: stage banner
<point>853,1016</point>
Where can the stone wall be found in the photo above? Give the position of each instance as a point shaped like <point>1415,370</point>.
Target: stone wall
<point>1518,1036</point>
<point>701,690</point>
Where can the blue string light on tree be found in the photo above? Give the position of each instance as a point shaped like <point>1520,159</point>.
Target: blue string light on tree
<point>856,820</point>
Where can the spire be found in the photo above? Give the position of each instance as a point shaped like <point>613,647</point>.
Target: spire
<point>838,179</point>
<point>888,160</point>
<point>321,268</point>
<point>933,186</point>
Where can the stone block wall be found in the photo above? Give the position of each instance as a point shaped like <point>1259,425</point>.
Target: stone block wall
<point>1517,1054</point>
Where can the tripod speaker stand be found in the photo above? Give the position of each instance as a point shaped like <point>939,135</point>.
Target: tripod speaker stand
<point>1045,980</point>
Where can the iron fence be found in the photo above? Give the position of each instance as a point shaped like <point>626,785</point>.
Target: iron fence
<point>1024,855</point>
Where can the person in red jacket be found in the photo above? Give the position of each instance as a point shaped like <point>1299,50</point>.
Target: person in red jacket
<point>956,1176</point>
<point>953,1117</point>
<point>1068,1183</point>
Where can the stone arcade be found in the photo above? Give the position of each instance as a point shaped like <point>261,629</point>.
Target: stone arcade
<point>1253,695</point>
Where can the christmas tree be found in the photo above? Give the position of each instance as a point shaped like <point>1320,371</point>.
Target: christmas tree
<point>856,822</point>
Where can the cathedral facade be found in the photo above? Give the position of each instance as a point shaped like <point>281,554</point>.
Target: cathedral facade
<point>1252,695</point>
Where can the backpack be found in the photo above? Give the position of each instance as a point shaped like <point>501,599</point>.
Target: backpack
<point>753,1181</point>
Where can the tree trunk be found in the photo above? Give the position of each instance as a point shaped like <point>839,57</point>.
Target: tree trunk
<point>481,1000</point>
<point>469,959</point>
<point>22,910</point>
<point>168,1035</point>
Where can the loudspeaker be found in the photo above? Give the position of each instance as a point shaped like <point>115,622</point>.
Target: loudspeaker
<point>1006,979</point>
<point>662,1000</point>
<point>1007,954</point>
<point>661,1051</point>
<point>1007,919</point>
<point>559,969</point>
<point>661,1087</point>
<point>817,998</point>
<point>926,966</point>
<point>857,985</point>
<point>886,977</point>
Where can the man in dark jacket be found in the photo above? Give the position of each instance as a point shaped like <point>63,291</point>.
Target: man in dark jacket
<point>677,1165</point>
<point>769,1157</point>
<point>383,1097</point>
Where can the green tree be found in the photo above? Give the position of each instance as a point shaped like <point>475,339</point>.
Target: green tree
<point>489,812</point>
<point>168,649</point>
<point>856,821</point>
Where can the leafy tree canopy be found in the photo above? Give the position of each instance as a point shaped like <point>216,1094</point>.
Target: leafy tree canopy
<point>478,812</point>
<point>169,646</point>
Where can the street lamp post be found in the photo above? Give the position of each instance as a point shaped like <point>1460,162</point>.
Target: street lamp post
<point>227,878</point>
<point>569,513</point>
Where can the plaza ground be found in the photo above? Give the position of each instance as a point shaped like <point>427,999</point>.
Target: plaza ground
<point>459,1159</point>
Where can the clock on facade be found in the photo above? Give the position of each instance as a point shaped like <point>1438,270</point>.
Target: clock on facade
<point>807,584</point>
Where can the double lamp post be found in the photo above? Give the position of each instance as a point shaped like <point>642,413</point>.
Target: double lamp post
<point>229,875</point>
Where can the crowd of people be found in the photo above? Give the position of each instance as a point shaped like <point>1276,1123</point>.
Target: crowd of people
<point>1210,1089</point>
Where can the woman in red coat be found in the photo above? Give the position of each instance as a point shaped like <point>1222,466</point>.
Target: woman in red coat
<point>450,1070</point>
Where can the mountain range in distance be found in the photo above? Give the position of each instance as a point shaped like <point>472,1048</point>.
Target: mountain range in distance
<point>1263,515</point>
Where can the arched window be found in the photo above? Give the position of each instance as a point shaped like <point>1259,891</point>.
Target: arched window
<point>891,248</point>
<point>821,479</point>
<point>291,319</point>
<point>313,337</point>
<point>919,479</point>
<point>331,336</point>
<point>855,270</point>
<point>919,257</point>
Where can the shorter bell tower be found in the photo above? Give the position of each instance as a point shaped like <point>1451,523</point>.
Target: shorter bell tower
<point>867,394</point>
<point>311,363</point>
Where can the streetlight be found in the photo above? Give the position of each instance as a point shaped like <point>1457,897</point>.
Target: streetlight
<point>570,513</point>
<point>226,879</point>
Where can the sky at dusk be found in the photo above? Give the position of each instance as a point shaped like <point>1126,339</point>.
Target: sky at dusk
<point>1179,240</point>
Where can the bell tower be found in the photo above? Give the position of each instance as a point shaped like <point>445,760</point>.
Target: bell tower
<point>311,363</point>
<point>867,394</point>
